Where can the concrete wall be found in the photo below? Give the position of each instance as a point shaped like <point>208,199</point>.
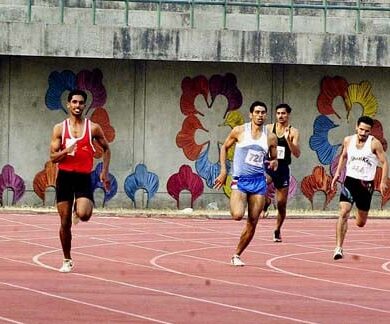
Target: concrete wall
<point>143,103</point>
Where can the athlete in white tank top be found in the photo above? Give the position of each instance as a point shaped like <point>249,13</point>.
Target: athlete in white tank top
<point>361,162</point>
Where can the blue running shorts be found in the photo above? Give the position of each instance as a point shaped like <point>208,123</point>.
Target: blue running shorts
<point>250,184</point>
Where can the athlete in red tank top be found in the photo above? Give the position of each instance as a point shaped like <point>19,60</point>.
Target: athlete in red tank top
<point>81,159</point>
<point>71,147</point>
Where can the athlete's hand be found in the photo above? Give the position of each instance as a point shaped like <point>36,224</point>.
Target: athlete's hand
<point>286,132</point>
<point>383,187</point>
<point>219,181</point>
<point>271,164</point>
<point>105,180</point>
<point>334,180</point>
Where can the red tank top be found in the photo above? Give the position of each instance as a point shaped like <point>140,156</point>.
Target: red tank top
<point>82,159</point>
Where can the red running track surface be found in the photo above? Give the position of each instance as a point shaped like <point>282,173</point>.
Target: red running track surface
<point>175,270</point>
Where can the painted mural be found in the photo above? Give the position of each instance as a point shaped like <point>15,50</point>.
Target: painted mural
<point>10,180</point>
<point>208,89</point>
<point>141,179</point>
<point>327,153</point>
<point>58,84</point>
<point>185,179</point>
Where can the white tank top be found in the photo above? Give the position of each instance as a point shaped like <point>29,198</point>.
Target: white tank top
<point>361,163</point>
<point>249,154</point>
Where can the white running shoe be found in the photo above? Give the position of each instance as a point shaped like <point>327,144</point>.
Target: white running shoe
<point>338,253</point>
<point>236,261</point>
<point>277,236</point>
<point>67,266</point>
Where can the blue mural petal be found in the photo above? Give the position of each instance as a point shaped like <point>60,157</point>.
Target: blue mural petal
<point>208,170</point>
<point>319,140</point>
<point>96,183</point>
<point>141,179</point>
<point>58,83</point>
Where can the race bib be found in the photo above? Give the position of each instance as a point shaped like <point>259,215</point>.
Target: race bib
<point>281,150</point>
<point>255,158</point>
<point>70,142</point>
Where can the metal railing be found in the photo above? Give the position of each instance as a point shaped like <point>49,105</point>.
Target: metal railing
<point>325,6</point>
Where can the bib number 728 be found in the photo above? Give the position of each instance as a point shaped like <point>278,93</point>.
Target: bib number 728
<point>255,158</point>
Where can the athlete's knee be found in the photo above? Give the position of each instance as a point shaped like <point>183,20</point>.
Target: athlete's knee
<point>237,216</point>
<point>84,215</point>
<point>361,222</point>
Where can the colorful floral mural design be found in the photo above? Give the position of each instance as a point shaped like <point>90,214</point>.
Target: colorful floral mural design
<point>59,82</point>
<point>100,116</point>
<point>319,180</point>
<point>44,179</point>
<point>332,87</point>
<point>224,85</point>
<point>10,180</point>
<point>91,81</point>
<point>327,153</point>
<point>185,179</point>
<point>144,180</point>
<point>97,184</point>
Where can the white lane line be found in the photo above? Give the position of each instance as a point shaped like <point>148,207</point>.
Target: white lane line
<point>77,301</point>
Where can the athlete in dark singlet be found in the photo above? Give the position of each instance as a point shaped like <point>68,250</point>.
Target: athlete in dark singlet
<point>71,147</point>
<point>288,143</point>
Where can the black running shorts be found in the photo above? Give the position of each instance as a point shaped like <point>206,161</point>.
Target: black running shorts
<point>280,177</point>
<point>358,192</point>
<point>71,185</point>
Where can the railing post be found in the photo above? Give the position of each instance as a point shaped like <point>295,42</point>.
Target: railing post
<point>127,12</point>
<point>291,15</point>
<point>358,17</point>
<point>325,15</point>
<point>94,12</point>
<point>258,14</point>
<point>224,14</point>
<point>62,11</point>
<point>159,14</point>
<point>29,5</point>
<point>192,12</point>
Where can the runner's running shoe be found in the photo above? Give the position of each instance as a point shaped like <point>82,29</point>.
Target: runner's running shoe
<point>338,253</point>
<point>67,266</point>
<point>277,236</point>
<point>236,261</point>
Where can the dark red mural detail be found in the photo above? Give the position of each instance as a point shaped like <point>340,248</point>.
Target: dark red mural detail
<point>185,179</point>
<point>330,89</point>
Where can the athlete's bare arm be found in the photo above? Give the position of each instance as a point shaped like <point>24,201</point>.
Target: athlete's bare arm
<point>272,150</point>
<point>292,139</point>
<point>342,161</point>
<point>378,150</point>
<point>232,138</point>
<point>98,135</point>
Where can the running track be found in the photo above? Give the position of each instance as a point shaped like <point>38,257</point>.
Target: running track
<point>176,270</point>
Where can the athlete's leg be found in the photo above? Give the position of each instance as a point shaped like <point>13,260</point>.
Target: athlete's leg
<point>361,218</point>
<point>267,203</point>
<point>83,208</point>
<point>342,222</point>
<point>255,206</point>
<point>65,211</point>
<point>281,204</point>
<point>237,204</point>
